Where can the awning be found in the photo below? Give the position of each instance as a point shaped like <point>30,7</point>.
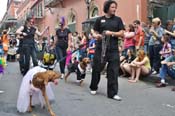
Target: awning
<point>10,19</point>
<point>52,3</point>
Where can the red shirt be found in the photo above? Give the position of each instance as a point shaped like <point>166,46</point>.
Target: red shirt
<point>129,39</point>
<point>139,33</point>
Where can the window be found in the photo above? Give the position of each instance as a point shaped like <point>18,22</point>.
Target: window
<point>71,18</point>
<point>37,10</point>
<point>94,12</point>
<point>72,21</point>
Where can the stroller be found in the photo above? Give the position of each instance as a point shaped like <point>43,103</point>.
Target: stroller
<point>49,56</point>
<point>48,60</point>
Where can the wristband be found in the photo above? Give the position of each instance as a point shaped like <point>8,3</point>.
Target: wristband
<point>113,34</point>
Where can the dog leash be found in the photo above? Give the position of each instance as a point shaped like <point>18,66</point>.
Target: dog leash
<point>105,44</point>
<point>63,58</point>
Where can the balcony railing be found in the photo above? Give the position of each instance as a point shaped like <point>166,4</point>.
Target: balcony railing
<point>52,3</point>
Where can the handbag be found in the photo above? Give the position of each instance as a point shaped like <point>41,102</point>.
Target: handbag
<point>91,51</point>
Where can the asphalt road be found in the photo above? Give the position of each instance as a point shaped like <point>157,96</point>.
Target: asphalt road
<point>140,99</point>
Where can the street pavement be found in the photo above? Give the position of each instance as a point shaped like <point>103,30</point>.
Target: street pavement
<point>139,99</point>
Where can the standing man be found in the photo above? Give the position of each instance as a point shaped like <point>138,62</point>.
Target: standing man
<point>139,35</point>
<point>111,27</point>
<point>28,49</point>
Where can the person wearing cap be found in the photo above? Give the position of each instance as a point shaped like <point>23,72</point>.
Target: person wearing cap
<point>61,43</point>
<point>155,46</point>
<point>167,68</point>
<point>27,33</point>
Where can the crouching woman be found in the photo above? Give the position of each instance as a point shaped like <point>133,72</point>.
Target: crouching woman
<point>140,66</point>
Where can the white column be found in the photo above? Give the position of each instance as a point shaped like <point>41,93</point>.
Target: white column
<point>138,11</point>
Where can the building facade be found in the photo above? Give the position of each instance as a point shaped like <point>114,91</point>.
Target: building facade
<point>164,9</point>
<point>80,14</point>
<point>78,11</point>
<point>10,18</point>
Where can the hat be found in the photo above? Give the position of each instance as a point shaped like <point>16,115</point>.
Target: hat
<point>62,21</point>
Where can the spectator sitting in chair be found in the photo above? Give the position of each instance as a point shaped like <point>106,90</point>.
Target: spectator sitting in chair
<point>167,68</point>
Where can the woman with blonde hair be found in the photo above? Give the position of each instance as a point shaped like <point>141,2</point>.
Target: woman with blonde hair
<point>140,66</point>
<point>155,45</point>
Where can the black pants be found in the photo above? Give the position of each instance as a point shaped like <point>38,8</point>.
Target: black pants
<point>112,72</point>
<point>155,56</point>
<point>24,61</point>
<point>151,54</point>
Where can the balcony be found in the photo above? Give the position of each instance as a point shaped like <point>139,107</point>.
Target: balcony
<point>52,3</point>
<point>162,2</point>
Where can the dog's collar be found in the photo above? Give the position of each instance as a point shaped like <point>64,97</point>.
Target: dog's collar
<point>81,70</point>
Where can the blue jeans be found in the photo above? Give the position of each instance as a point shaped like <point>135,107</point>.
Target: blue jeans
<point>131,48</point>
<point>61,52</point>
<point>83,53</point>
<point>146,48</point>
<point>166,70</point>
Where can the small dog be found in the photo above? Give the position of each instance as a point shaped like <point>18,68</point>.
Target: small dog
<point>79,68</point>
<point>35,89</point>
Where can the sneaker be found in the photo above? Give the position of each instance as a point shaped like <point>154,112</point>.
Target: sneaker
<point>116,97</point>
<point>159,85</point>
<point>62,76</point>
<point>93,92</point>
<point>91,70</point>
<point>78,81</point>
<point>154,73</point>
<point>1,91</point>
<point>173,89</point>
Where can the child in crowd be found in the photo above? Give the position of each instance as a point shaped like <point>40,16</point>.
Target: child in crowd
<point>167,69</point>
<point>166,49</point>
<point>69,56</point>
